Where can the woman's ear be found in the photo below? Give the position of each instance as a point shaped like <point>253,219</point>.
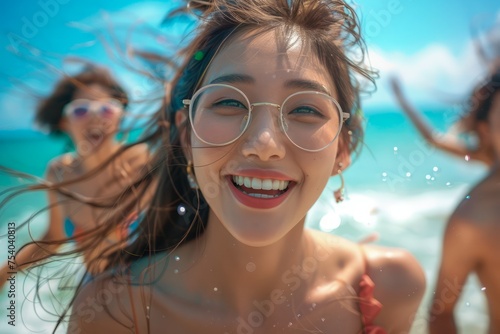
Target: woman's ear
<point>343,158</point>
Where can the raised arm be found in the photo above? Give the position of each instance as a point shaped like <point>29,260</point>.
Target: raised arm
<point>458,260</point>
<point>35,252</point>
<point>436,139</point>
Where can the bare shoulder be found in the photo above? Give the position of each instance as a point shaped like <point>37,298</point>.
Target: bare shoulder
<point>62,167</point>
<point>342,248</point>
<point>103,304</point>
<point>396,273</point>
<point>139,152</point>
<point>399,286</point>
<point>136,159</point>
<point>340,256</point>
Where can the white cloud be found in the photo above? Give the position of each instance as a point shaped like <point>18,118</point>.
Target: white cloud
<point>429,76</point>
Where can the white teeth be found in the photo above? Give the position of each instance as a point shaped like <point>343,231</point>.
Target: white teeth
<point>267,184</point>
<point>246,181</point>
<point>262,196</point>
<point>257,184</point>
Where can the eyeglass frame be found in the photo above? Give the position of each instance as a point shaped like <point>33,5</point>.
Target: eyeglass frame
<point>91,110</point>
<point>187,102</point>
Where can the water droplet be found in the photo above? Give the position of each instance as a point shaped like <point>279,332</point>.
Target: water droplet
<point>435,169</point>
<point>177,258</point>
<point>313,305</point>
<point>467,197</point>
<point>323,319</point>
<point>467,304</point>
<point>176,271</point>
<point>483,288</point>
<point>290,324</point>
<point>251,267</point>
<point>181,210</point>
<point>427,177</point>
<point>384,174</point>
<point>349,133</point>
<point>298,315</point>
<point>467,158</point>
<point>395,150</point>
<point>408,174</point>
<point>215,289</point>
<point>433,178</point>
<point>448,184</point>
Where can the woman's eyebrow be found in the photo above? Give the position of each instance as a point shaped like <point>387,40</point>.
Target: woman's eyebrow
<point>294,83</point>
<point>307,85</point>
<point>233,78</point>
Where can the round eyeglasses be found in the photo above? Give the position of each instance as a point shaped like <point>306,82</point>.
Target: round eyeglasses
<point>219,114</point>
<point>82,108</point>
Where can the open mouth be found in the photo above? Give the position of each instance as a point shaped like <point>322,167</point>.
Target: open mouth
<point>94,135</point>
<point>260,188</point>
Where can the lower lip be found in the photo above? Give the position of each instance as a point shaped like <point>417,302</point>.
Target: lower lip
<point>255,202</point>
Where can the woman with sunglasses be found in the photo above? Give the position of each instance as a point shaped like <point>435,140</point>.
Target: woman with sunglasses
<point>88,107</point>
<point>259,116</point>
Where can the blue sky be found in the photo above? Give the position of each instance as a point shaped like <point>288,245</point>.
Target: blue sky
<point>427,43</point>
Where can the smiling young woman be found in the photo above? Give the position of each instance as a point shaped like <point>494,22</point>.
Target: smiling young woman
<point>258,118</point>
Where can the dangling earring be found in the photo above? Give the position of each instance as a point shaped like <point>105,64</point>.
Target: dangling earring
<point>339,193</point>
<point>190,176</point>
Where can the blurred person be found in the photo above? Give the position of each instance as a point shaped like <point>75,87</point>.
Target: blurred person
<point>88,107</point>
<point>472,236</point>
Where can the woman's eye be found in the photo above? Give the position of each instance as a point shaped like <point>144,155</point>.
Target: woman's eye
<point>306,110</point>
<point>230,103</point>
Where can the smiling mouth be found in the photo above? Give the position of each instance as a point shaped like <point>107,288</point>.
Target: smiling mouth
<point>260,188</point>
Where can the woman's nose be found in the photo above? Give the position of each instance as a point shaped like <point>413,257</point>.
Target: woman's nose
<point>264,138</point>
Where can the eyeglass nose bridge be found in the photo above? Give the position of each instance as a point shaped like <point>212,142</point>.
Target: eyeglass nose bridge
<point>283,125</point>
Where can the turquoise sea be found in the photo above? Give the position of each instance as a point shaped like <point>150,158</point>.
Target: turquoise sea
<point>398,187</point>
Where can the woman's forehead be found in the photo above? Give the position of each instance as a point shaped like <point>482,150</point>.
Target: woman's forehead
<point>92,91</point>
<point>265,57</point>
